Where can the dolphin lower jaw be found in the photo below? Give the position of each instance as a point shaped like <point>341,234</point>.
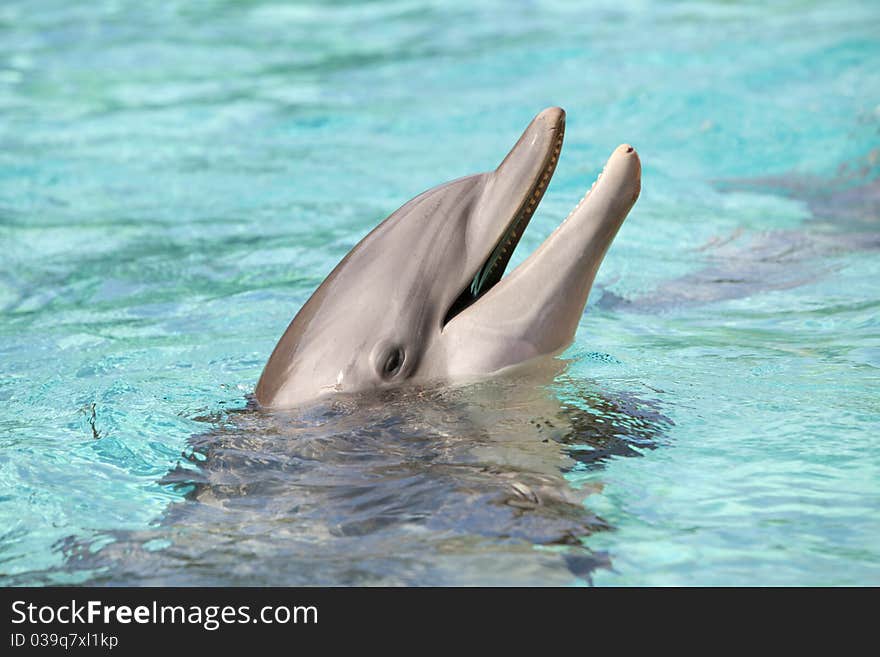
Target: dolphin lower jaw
<point>537,307</point>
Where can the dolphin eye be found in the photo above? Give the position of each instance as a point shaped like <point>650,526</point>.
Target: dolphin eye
<point>392,362</point>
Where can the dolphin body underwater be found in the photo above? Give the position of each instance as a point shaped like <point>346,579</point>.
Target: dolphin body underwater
<point>422,299</point>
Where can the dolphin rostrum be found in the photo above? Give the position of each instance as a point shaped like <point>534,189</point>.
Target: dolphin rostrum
<point>421,298</point>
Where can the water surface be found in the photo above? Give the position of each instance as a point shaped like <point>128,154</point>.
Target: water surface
<point>176,178</point>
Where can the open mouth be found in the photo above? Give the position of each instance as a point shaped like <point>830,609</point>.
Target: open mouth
<point>492,269</point>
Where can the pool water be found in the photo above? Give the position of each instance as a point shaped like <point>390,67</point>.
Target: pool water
<point>176,178</point>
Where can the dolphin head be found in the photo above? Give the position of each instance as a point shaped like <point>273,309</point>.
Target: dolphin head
<point>422,297</point>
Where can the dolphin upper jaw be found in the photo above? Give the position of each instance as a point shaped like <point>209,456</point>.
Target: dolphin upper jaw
<point>509,197</point>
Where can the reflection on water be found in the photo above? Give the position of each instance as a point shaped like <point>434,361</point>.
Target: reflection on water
<point>844,217</point>
<point>449,485</point>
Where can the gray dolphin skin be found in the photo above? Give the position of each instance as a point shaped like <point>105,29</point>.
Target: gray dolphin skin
<point>422,299</point>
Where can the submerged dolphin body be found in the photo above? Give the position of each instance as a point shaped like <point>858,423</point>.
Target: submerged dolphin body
<point>418,485</point>
<point>421,298</point>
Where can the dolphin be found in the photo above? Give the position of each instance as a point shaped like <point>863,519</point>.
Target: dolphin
<point>422,299</point>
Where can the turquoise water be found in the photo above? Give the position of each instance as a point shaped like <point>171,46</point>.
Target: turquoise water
<point>176,178</point>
